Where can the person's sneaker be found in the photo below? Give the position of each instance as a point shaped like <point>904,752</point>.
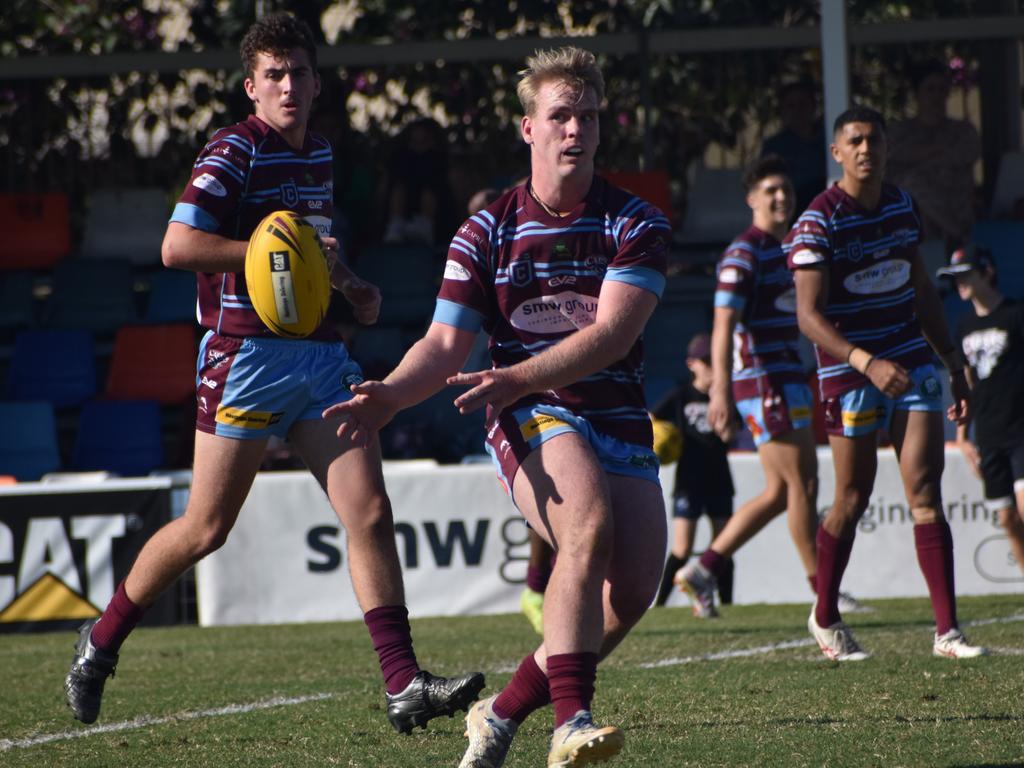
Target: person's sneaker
<point>532,605</point>
<point>428,696</point>
<point>489,737</point>
<point>850,604</point>
<point>836,641</point>
<point>90,668</point>
<point>699,583</point>
<point>579,742</point>
<point>953,645</point>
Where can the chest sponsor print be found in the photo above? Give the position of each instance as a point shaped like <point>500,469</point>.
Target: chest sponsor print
<point>786,301</point>
<point>882,277</point>
<point>561,313</point>
<point>211,184</point>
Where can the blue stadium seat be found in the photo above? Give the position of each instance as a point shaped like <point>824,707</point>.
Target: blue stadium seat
<point>28,440</point>
<point>1006,241</point>
<point>667,334</point>
<point>96,295</point>
<point>17,304</point>
<point>408,278</point>
<point>119,436</point>
<point>56,366</point>
<point>172,297</point>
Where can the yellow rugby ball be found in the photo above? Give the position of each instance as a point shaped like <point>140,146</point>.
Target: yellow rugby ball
<point>286,274</point>
<point>668,441</point>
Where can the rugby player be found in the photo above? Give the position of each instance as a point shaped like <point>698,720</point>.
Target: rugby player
<point>563,272</point>
<point>865,300</point>
<point>253,385</point>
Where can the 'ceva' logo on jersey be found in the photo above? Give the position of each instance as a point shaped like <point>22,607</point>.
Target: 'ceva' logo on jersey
<point>881,278</point>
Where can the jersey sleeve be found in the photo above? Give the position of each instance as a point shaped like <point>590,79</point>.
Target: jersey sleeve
<point>736,276</point>
<point>809,242</point>
<point>642,235</point>
<point>464,300</point>
<point>210,199</point>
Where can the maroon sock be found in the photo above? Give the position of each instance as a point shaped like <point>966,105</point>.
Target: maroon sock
<point>392,640</point>
<point>833,557</point>
<point>117,621</point>
<point>714,562</point>
<point>934,545</point>
<point>571,681</point>
<point>537,578</point>
<point>525,693</point>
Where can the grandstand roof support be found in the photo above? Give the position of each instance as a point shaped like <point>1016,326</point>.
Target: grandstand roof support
<point>835,74</point>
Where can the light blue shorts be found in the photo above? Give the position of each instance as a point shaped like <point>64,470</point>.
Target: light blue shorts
<point>864,409</point>
<point>775,413</point>
<point>253,388</point>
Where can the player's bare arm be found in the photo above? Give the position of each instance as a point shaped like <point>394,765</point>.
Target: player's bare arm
<point>721,405</point>
<point>192,249</point>
<point>422,372</point>
<point>932,317</point>
<point>811,298</point>
<point>622,313</point>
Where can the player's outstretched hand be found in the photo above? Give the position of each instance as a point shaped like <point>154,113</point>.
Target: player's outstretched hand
<point>498,388</point>
<point>960,389</point>
<point>890,378</point>
<point>369,410</point>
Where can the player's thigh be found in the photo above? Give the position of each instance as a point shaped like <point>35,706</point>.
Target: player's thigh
<point>790,458</point>
<point>641,530</point>
<point>351,475</point>
<point>222,474</point>
<point>919,441</point>
<point>562,491</point>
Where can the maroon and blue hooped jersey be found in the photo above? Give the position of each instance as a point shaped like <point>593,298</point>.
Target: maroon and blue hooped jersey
<point>871,297</point>
<point>753,280</point>
<point>245,172</point>
<point>530,279</point>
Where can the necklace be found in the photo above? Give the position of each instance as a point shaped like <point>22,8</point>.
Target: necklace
<point>547,208</point>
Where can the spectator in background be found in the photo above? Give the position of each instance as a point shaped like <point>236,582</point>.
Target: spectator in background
<point>801,142</point>
<point>419,198</point>
<point>932,157</point>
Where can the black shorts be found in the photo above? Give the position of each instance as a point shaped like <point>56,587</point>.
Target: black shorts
<point>1002,469</point>
<point>692,506</point>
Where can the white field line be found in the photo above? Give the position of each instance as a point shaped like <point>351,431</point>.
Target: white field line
<point>146,721</point>
<point>280,701</point>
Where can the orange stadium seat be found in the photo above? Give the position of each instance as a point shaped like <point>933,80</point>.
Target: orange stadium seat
<point>652,186</point>
<point>153,362</point>
<point>36,230</point>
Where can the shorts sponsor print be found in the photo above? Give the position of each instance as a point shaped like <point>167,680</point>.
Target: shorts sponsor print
<point>518,432</point>
<point>777,412</point>
<point>253,388</point>
<point>863,410</point>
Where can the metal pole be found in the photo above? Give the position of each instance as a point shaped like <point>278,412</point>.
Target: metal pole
<point>835,76</point>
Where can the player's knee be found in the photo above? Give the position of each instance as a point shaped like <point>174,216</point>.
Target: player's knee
<point>850,503</point>
<point>589,542</point>
<point>368,517</point>
<point>210,538</point>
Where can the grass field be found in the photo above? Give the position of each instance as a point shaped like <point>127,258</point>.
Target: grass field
<point>747,689</point>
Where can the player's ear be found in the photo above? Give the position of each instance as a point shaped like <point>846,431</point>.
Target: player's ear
<point>250,89</point>
<point>316,84</point>
<point>834,148</point>
<point>526,129</point>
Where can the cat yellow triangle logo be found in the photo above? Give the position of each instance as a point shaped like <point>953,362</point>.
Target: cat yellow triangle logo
<point>49,599</point>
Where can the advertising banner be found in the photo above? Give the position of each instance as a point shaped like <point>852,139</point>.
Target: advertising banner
<point>64,547</point>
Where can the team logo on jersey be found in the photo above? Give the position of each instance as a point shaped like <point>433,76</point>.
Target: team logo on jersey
<point>520,272</point>
<point>931,387</point>
<point>560,249</point>
<point>596,263</point>
<point>855,250</point>
<point>289,194</point>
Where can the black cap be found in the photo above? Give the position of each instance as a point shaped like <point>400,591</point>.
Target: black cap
<point>965,259</point>
<point>699,347</point>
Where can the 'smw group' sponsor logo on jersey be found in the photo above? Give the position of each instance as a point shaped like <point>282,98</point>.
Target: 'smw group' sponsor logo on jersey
<point>566,311</point>
<point>882,277</point>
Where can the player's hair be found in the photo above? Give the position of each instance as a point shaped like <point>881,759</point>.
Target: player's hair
<point>859,114</point>
<point>762,168</point>
<point>573,66</point>
<point>276,34</point>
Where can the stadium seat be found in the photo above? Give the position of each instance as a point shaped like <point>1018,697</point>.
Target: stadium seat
<point>120,436</point>
<point>1009,186</point>
<point>126,224</point>
<point>95,295</point>
<point>172,297</point>
<point>652,186</point>
<point>17,302</point>
<point>56,366</point>
<point>667,334</point>
<point>153,362</point>
<point>378,350</point>
<point>28,440</point>
<point>408,277</point>
<point>1006,241</point>
<point>36,230</point>
<point>716,210</point>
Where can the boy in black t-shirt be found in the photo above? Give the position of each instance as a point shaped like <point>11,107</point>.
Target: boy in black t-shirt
<point>703,483</point>
<point>992,339</point>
